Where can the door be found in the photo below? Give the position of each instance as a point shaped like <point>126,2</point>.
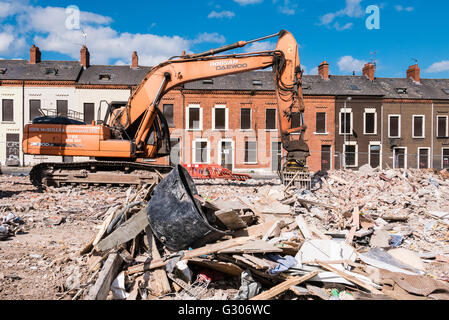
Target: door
<point>12,149</point>
<point>399,158</point>
<point>325,157</point>
<point>226,154</point>
<point>276,154</point>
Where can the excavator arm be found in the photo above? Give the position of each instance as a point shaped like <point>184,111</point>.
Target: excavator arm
<point>138,117</point>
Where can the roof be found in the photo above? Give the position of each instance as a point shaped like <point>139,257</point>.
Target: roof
<point>340,86</point>
<point>45,70</point>
<point>401,88</point>
<point>116,75</point>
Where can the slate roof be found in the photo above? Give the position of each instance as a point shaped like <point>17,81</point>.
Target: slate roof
<point>45,70</point>
<point>426,89</point>
<point>116,75</point>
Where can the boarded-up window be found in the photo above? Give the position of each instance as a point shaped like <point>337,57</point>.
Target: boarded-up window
<point>8,110</point>
<point>321,122</point>
<point>62,108</point>
<point>167,110</point>
<point>194,118</point>
<point>423,158</point>
<point>89,113</point>
<point>370,123</point>
<point>220,118</point>
<point>442,126</point>
<point>418,126</point>
<point>245,118</point>
<point>296,121</point>
<point>345,122</point>
<point>35,105</point>
<point>12,149</point>
<point>270,119</point>
<point>175,153</point>
<point>201,152</point>
<point>350,155</point>
<point>393,129</point>
<point>326,157</point>
<point>250,151</point>
<point>374,155</point>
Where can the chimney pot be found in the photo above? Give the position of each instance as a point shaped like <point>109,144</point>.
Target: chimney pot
<point>369,71</point>
<point>323,70</point>
<point>414,73</point>
<point>135,60</point>
<point>85,57</point>
<point>35,55</point>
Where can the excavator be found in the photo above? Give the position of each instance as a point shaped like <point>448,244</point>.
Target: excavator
<point>139,130</point>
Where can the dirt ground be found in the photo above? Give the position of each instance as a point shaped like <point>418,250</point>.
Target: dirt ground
<point>43,260</point>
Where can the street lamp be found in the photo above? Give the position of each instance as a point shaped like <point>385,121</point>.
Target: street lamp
<point>344,133</point>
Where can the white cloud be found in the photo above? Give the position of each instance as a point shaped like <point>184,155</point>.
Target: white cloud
<point>438,67</point>
<point>221,14</point>
<point>401,8</point>
<point>350,64</point>
<point>246,2</point>
<point>287,7</point>
<point>353,9</point>
<point>106,45</point>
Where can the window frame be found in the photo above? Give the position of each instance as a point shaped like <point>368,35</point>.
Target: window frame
<point>220,106</point>
<point>275,119</point>
<point>447,127</point>
<point>423,126</point>
<point>351,121</point>
<point>356,156</point>
<point>325,124</point>
<point>12,112</point>
<point>375,143</point>
<point>194,160</point>
<point>194,106</point>
<point>399,126</point>
<point>405,158</point>
<point>244,158</point>
<point>442,157</point>
<point>373,111</point>
<point>172,125</point>
<point>250,119</point>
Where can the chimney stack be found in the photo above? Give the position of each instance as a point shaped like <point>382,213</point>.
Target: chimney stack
<point>369,70</point>
<point>413,73</point>
<point>85,57</point>
<point>135,60</point>
<point>323,70</point>
<point>35,55</point>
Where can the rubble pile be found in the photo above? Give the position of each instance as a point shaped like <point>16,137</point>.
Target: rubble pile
<point>369,234</point>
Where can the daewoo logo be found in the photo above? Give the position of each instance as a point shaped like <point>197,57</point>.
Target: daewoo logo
<point>227,64</point>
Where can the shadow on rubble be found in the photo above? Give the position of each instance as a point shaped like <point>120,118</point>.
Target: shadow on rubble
<point>232,183</point>
<point>316,181</point>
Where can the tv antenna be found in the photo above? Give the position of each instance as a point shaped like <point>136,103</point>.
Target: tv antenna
<point>373,57</point>
<point>84,35</point>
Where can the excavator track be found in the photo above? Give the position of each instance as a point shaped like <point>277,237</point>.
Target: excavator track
<point>94,173</point>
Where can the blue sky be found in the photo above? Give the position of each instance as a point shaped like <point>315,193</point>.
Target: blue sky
<point>334,31</point>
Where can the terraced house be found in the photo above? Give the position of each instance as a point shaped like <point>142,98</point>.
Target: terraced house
<point>233,121</point>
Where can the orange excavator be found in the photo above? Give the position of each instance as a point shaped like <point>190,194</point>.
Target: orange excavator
<point>139,129</point>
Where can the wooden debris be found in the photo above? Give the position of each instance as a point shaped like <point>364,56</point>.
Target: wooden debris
<point>284,286</point>
<point>230,219</point>
<point>102,286</point>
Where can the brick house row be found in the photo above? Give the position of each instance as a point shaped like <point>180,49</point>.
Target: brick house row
<point>233,121</point>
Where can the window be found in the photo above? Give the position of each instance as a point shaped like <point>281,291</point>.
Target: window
<point>208,81</point>
<point>350,151</point>
<point>270,119</point>
<point>220,118</point>
<point>374,154</point>
<point>401,90</point>
<point>62,108</point>
<point>346,121</point>
<point>104,76</point>
<point>399,158</point>
<point>7,110</point>
<point>250,151</point>
<point>418,126</point>
<point>442,128</point>
<point>194,117</point>
<point>175,152</point>
<point>257,82</point>
<point>245,118</point>
<point>394,126</point>
<point>423,158</point>
<point>167,110</point>
<point>326,157</point>
<point>445,158</point>
<point>320,122</point>
<point>89,112</point>
<point>35,106</point>
<point>201,151</point>
<point>370,121</point>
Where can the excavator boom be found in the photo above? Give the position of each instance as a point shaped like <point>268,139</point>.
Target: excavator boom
<point>139,130</point>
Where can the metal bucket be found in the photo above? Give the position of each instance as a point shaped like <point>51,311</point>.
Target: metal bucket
<point>175,217</point>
